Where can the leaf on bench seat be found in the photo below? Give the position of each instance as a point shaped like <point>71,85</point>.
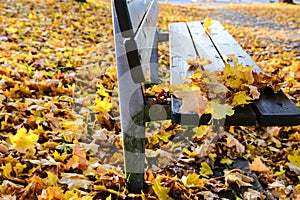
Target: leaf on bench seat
<point>220,111</point>
<point>207,23</point>
<point>192,101</point>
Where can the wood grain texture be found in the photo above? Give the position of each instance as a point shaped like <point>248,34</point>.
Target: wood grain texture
<point>227,45</point>
<point>181,49</point>
<point>188,40</point>
<point>204,46</point>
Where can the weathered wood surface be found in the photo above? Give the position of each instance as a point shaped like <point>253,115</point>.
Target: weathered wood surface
<point>130,14</point>
<point>204,46</point>
<point>181,49</point>
<point>227,46</point>
<point>132,120</point>
<point>139,48</point>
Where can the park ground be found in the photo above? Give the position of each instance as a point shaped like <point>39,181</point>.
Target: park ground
<point>60,132</point>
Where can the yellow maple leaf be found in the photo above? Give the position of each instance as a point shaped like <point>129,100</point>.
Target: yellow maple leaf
<point>200,131</point>
<point>226,161</point>
<point>52,179</point>
<point>102,106</point>
<point>241,98</point>
<point>22,140</point>
<point>207,23</point>
<point>161,191</point>
<point>19,168</point>
<point>220,111</point>
<point>237,75</point>
<point>294,158</point>
<point>193,180</point>
<point>60,157</point>
<point>7,169</point>
<point>205,169</point>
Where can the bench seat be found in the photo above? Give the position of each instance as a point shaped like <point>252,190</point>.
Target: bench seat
<point>189,40</point>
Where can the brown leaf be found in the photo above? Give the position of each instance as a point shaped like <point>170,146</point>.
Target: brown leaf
<point>192,101</point>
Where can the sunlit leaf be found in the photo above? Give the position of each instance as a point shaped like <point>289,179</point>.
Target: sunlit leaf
<point>161,191</point>
<point>205,169</point>
<point>22,140</point>
<point>102,105</point>
<point>238,177</point>
<point>220,111</point>
<point>294,158</point>
<point>241,98</point>
<point>207,23</point>
<point>7,169</point>
<point>52,179</point>
<point>200,131</point>
<point>192,101</point>
<point>193,180</point>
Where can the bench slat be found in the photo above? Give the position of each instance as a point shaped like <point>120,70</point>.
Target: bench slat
<point>227,45</point>
<point>271,109</point>
<point>204,46</point>
<point>276,109</point>
<point>181,49</point>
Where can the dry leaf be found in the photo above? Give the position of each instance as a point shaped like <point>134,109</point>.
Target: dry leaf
<point>192,101</point>
<point>258,166</point>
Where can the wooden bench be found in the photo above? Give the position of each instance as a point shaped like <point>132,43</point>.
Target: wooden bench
<point>136,42</point>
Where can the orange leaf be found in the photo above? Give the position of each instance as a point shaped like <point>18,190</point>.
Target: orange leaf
<point>192,101</point>
<point>258,166</point>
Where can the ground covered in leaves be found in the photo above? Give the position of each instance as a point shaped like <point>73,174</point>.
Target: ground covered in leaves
<point>60,131</point>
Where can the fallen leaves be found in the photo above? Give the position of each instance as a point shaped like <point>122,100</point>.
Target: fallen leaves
<point>58,82</point>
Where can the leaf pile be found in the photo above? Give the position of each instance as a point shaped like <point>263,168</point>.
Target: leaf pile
<point>60,131</point>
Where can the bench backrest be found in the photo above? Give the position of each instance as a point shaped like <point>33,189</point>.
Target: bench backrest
<point>137,21</point>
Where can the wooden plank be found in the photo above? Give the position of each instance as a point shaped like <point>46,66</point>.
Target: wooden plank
<point>227,45</point>
<point>131,102</point>
<point>276,109</point>
<point>204,46</point>
<point>139,49</point>
<point>181,49</point>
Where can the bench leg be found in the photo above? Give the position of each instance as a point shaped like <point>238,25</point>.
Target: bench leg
<point>134,154</point>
